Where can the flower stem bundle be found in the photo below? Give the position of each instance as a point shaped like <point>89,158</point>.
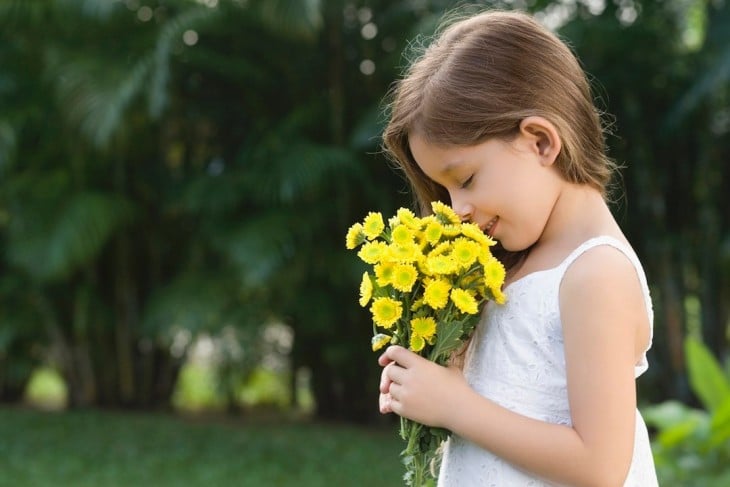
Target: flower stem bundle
<point>429,278</point>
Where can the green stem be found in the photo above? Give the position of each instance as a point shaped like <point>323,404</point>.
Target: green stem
<point>415,460</point>
<point>419,470</point>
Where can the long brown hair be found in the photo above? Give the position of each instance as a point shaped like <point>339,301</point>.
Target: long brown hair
<point>478,79</point>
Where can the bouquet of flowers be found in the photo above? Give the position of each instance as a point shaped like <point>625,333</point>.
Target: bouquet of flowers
<point>428,281</point>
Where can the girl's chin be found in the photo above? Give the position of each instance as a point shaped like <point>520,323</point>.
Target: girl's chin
<point>511,246</point>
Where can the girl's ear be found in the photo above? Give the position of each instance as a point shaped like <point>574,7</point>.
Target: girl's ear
<point>543,138</point>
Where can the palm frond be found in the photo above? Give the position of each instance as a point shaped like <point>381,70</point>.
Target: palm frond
<point>282,164</point>
<point>97,92</point>
<point>69,237</point>
<point>293,171</point>
<point>260,246</point>
<point>95,96</point>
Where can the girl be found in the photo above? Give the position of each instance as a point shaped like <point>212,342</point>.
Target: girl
<point>496,117</point>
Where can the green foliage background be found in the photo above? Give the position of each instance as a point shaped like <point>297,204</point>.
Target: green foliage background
<point>176,168</point>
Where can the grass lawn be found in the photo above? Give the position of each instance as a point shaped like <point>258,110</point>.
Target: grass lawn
<point>102,449</point>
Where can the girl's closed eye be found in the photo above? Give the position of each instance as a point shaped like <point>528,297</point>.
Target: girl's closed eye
<point>467,182</point>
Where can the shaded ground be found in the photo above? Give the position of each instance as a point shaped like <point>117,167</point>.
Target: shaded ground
<point>100,449</point>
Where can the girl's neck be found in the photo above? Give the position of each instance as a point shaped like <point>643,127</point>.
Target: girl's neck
<point>579,213</point>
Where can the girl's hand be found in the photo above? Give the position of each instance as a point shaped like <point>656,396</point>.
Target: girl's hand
<point>419,389</point>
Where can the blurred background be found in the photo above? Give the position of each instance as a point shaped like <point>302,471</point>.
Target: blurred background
<point>176,180</point>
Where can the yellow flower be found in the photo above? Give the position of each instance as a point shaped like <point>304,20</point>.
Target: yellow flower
<point>424,327</point>
<point>442,248</point>
<point>386,311</point>
<point>436,294</point>
<point>417,304</point>
<point>366,289</point>
<point>494,274</point>
<point>373,225</point>
<point>407,217</point>
<point>409,252</point>
<point>373,252</point>
<point>417,343</point>
<point>379,341</point>
<point>444,213</point>
<point>465,252</point>
<point>441,264</point>
<point>420,237</point>
<point>433,232</point>
<point>355,236</point>
<point>464,301</point>
<point>436,265</point>
<point>384,273</point>
<point>473,282</point>
<point>472,231</point>
<point>422,265</point>
<point>451,230</point>
<point>401,235</point>
<point>404,276</point>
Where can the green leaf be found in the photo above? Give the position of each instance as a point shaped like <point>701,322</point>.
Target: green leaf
<point>95,95</point>
<point>72,237</point>
<point>706,376</point>
<point>668,414</point>
<point>260,246</point>
<point>676,422</point>
<point>449,337</point>
<point>720,424</point>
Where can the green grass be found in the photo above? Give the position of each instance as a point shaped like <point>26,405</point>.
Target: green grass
<point>104,449</point>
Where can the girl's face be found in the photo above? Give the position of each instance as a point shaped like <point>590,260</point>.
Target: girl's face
<point>508,189</point>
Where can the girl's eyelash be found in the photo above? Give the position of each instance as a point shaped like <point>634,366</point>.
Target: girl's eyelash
<point>467,182</point>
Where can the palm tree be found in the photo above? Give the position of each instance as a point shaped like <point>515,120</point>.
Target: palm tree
<point>194,184</point>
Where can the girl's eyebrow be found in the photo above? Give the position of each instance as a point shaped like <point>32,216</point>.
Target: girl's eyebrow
<point>451,166</point>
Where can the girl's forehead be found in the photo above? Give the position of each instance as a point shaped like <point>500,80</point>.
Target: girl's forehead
<point>454,153</point>
<point>436,160</point>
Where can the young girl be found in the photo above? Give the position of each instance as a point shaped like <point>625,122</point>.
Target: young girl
<point>496,117</point>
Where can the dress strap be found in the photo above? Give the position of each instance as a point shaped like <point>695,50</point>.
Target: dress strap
<point>634,259</point>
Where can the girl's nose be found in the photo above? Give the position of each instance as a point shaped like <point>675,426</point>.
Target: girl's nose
<point>463,210</point>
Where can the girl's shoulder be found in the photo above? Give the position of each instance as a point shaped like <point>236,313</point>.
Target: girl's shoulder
<point>603,257</point>
<point>604,279</point>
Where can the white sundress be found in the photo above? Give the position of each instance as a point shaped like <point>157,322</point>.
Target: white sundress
<point>517,359</point>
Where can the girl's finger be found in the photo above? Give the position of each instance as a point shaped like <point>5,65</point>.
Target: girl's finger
<point>394,373</point>
<point>384,403</point>
<point>394,393</point>
<point>384,382</point>
<point>383,360</point>
<point>396,353</point>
